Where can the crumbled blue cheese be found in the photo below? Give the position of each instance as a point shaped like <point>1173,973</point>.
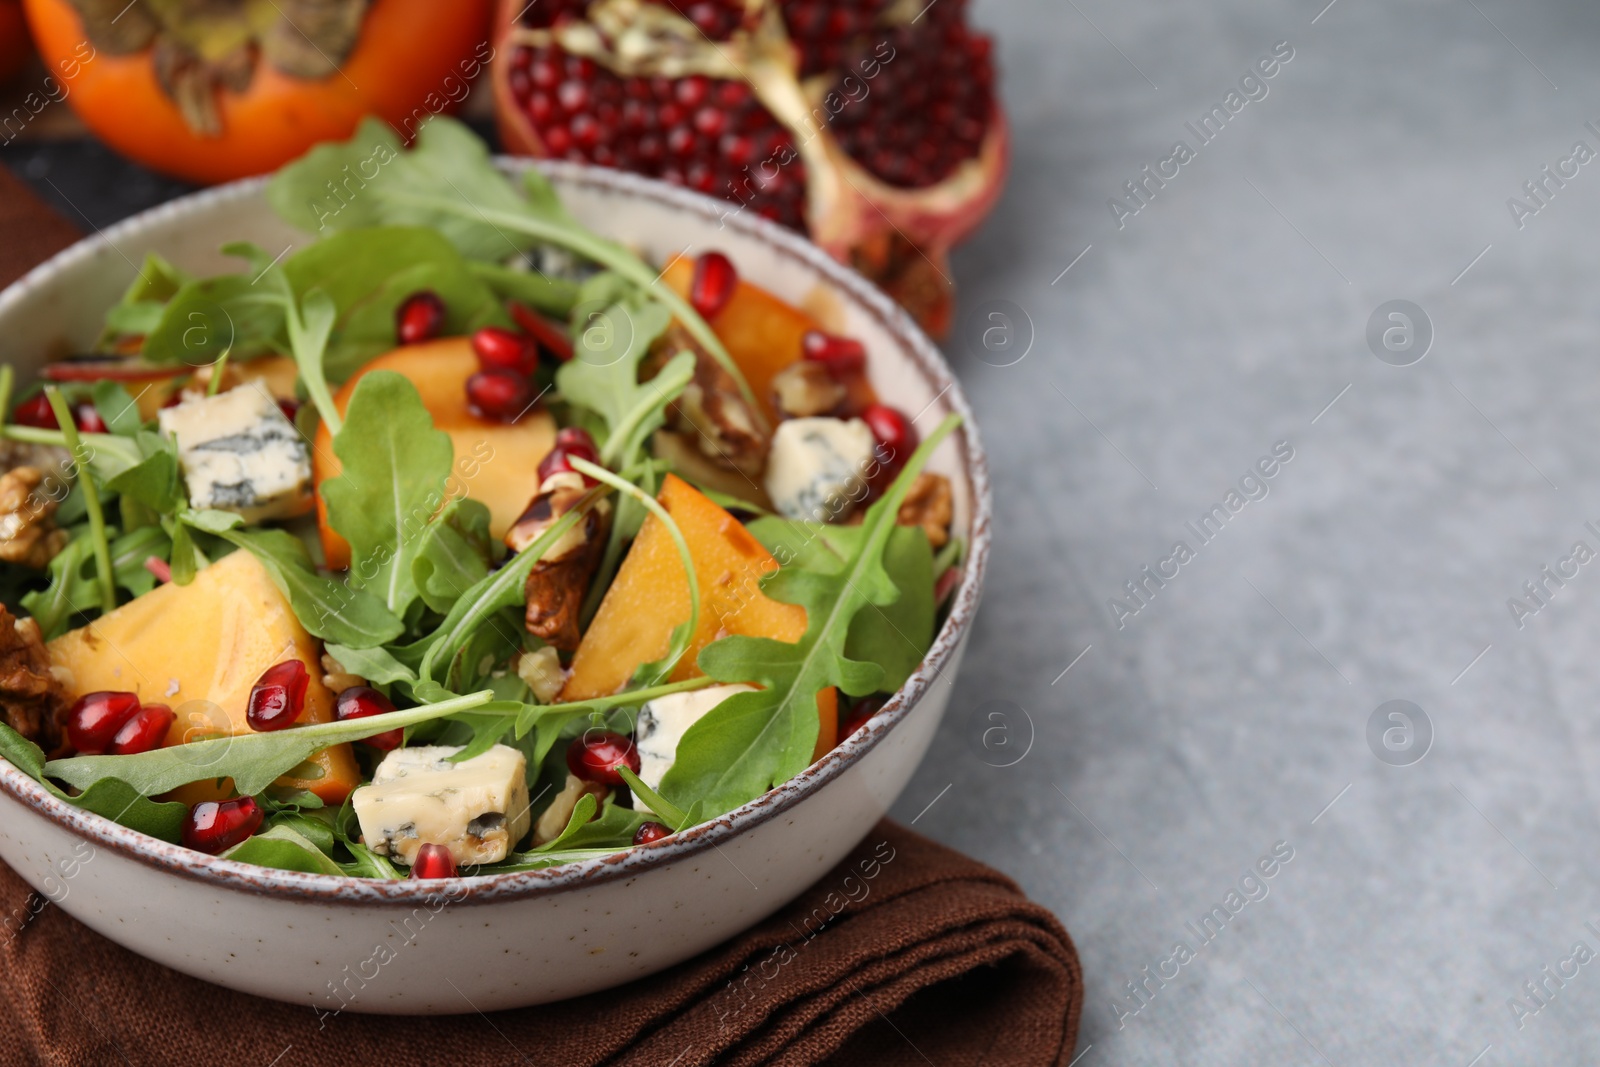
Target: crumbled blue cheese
<point>239,453</point>
<point>663,722</point>
<point>477,808</point>
<point>817,467</point>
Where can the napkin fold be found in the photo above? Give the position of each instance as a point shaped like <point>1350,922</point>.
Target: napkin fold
<point>906,953</point>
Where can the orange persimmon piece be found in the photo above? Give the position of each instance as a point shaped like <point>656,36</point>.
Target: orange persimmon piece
<point>200,648</point>
<point>495,463</point>
<point>762,333</point>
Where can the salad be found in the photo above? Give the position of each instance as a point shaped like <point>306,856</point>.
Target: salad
<point>454,538</point>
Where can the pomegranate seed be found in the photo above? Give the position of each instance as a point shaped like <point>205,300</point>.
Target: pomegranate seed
<point>650,831</point>
<point>594,756</point>
<point>36,412</point>
<point>550,336</point>
<point>290,408</point>
<point>946,585</point>
<point>359,702</point>
<point>499,349</point>
<point>217,825</point>
<point>897,438</point>
<point>419,317</point>
<point>498,394</point>
<point>95,718</point>
<point>433,861</point>
<point>158,567</point>
<point>146,730</point>
<point>88,419</point>
<point>864,710</point>
<point>278,697</point>
<point>714,281</point>
<point>842,356</point>
<point>571,441</point>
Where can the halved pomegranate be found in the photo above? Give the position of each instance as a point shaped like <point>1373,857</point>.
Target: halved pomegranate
<point>872,124</point>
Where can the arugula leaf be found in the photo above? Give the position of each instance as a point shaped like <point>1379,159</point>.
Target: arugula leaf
<point>253,761</point>
<point>395,465</point>
<point>603,376</point>
<point>227,313</point>
<point>285,849</point>
<point>153,481</point>
<point>449,182</point>
<point>547,295</point>
<point>129,552</point>
<point>327,608</point>
<point>894,636</point>
<point>376,665</point>
<point>110,797</point>
<point>116,407</point>
<point>99,541</point>
<point>144,300</point>
<point>69,593</point>
<point>368,864</point>
<point>455,553</point>
<point>754,740</point>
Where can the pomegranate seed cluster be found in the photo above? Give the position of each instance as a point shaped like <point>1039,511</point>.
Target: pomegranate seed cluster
<point>708,134</point>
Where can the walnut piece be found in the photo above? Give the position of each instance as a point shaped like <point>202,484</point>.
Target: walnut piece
<point>33,701</point>
<point>557,583</point>
<point>559,813</point>
<point>711,410</point>
<point>28,532</point>
<point>336,678</point>
<point>929,505</point>
<point>805,388</point>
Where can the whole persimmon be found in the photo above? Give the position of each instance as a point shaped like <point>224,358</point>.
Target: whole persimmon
<point>212,90</point>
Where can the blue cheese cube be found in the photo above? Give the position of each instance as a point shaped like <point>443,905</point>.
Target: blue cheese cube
<point>817,467</point>
<point>478,808</point>
<point>663,722</point>
<point>239,453</point>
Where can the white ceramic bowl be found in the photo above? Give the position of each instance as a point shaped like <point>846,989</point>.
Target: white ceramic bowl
<point>510,940</point>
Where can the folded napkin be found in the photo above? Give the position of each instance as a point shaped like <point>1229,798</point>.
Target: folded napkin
<point>906,953</point>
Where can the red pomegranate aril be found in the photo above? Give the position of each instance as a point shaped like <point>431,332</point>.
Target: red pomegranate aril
<point>713,284</point>
<point>360,702</point>
<point>217,825</point>
<point>158,567</point>
<point>595,756</point>
<point>278,697</point>
<point>946,585</point>
<point>146,730</point>
<point>499,349</point>
<point>36,412</point>
<point>499,395</point>
<point>897,438</point>
<point>87,418</point>
<point>842,356</point>
<point>570,441</point>
<point>859,715</point>
<point>95,718</point>
<point>290,408</point>
<point>433,861</point>
<point>419,317</point>
<point>650,831</point>
<point>551,338</point>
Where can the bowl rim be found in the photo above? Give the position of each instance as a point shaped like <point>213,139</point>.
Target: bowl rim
<point>306,887</point>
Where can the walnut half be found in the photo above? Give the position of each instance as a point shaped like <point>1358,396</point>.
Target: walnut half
<point>557,583</point>
<point>28,532</point>
<point>33,701</point>
<point>929,505</point>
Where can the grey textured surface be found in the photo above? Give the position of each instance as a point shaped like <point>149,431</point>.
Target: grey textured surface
<point>1233,709</point>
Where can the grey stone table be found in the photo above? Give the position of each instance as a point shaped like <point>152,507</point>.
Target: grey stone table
<point>1261,858</point>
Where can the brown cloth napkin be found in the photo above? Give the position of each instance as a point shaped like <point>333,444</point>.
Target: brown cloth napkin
<point>906,953</point>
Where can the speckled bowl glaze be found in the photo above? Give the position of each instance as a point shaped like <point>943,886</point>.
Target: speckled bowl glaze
<point>478,944</point>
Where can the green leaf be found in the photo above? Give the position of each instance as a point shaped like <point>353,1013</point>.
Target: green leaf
<point>549,296</point>
<point>316,829</point>
<point>70,592</point>
<point>603,376</point>
<point>129,552</point>
<point>368,864</point>
<point>153,482</point>
<point>376,665</point>
<point>114,799</point>
<point>454,555</point>
<point>253,761</point>
<point>281,847</point>
<point>755,740</point>
<point>117,408</point>
<point>894,636</point>
<point>137,318</point>
<point>395,465</point>
<point>206,318</point>
<point>327,608</point>
<point>449,183</point>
